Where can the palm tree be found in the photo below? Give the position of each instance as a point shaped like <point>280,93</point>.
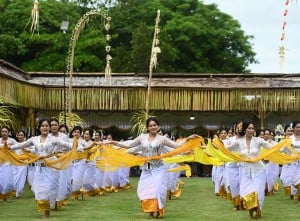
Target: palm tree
<point>7,116</point>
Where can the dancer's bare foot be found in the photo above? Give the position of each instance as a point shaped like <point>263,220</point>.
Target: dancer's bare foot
<point>151,215</point>
<point>236,208</point>
<point>47,214</point>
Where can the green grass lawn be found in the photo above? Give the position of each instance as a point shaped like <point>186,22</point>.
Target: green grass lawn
<point>196,203</point>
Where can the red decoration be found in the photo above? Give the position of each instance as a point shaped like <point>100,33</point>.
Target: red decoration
<point>284,24</point>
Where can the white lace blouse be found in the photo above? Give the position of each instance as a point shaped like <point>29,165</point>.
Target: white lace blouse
<point>145,148</point>
<point>251,151</point>
<point>50,146</point>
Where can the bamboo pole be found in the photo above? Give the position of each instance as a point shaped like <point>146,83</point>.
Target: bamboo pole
<point>75,35</point>
<point>153,60</point>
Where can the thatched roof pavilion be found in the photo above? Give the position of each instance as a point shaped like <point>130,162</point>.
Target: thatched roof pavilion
<point>214,99</point>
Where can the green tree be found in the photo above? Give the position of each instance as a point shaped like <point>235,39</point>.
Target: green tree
<point>45,52</point>
<point>194,37</point>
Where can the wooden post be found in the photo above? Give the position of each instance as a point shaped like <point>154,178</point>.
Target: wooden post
<point>262,115</point>
<point>30,120</point>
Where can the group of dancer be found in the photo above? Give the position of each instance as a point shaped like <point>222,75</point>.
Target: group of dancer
<point>82,178</point>
<point>52,187</point>
<point>247,183</point>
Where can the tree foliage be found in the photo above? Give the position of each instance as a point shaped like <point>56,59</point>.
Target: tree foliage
<point>194,37</point>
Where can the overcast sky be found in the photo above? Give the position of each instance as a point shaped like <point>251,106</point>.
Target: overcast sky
<point>264,19</point>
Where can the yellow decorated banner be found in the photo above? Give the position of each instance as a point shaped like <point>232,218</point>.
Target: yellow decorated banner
<point>109,159</point>
<point>14,159</point>
<point>113,158</point>
<point>198,155</point>
<point>186,147</point>
<point>60,163</point>
<point>280,158</point>
<point>273,154</point>
<point>65,159</point>
<point>182,167</point>
<point>202,157</point>
<point>216,153</point>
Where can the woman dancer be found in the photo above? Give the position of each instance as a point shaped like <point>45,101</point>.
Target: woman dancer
<point>111,178</point>
<point>98,138</point>
<point>287,169</point>
<point>45,183</point>
<point>63,191</point>
<point>295,166</point>
<point>252,187</point>
<point>6,169</point>
<point>89,185</point>
<point>20,172</point>
<point>272,169</point>
<point>233,171</point>
<point>153,183</point>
